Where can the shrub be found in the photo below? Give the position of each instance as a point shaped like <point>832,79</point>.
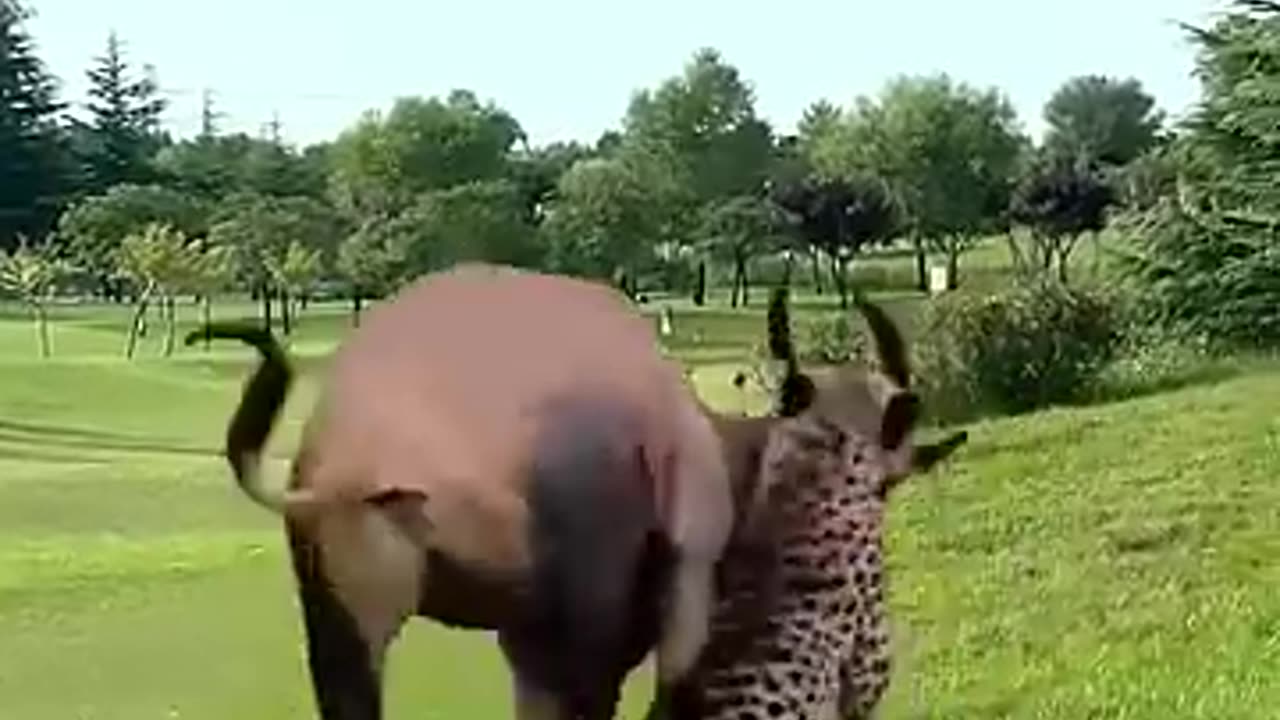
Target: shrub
<point>1034,344</point>
<point>829,339</point>
<point>1205,276</point>
<point>1154,359</point>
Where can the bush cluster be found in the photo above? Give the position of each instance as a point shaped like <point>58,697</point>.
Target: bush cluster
<point>1034,344</point>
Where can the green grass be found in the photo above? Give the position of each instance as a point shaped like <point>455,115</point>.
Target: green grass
<point>1114,561</point>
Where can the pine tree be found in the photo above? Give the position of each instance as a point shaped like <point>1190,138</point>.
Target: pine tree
<point>124,130</point>
<point>31,148</point>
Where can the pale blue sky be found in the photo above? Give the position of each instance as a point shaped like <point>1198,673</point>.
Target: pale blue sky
<point>566,68</point>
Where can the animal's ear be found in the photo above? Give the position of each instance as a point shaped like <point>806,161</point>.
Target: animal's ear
<point>796,393</point>
<point>899,418</point>
<point>924,457</point>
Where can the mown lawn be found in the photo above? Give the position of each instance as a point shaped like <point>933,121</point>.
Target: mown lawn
<point>1114,561</point>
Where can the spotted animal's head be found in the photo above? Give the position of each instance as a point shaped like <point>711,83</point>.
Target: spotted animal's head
<point>800,630</point>
<point>875,402</point>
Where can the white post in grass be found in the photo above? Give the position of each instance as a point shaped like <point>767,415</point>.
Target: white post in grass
<point>937,279</point>
<point>665,322</point>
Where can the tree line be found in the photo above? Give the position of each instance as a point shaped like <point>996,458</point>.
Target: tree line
<point>692,182</point>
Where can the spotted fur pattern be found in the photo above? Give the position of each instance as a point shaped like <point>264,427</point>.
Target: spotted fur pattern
<point>801,632</point>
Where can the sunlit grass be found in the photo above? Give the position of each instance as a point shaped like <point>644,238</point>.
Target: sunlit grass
<point>1116,561</point>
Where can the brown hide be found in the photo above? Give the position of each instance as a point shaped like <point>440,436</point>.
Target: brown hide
<point>443,393</point>
<point>503,450</point>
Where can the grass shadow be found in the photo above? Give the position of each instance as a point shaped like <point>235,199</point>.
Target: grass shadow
<point>29,428</point>
<point>24,441</point>
<point>16,454</point>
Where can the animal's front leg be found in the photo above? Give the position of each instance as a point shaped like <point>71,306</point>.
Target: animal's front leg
<point>700,520</point>
<point>684,634</point>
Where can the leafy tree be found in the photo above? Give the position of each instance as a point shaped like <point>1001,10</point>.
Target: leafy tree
<point>948,151</point>
<point>259,230</point>
<point>537,171</point>
<point>373,258</point>
<point>1097,118</point>
<point>32,273</point>
<point>1147,178</point>
<point>705,119</point>
<point>213,270</point>
<point>214,167</point>
<point>611,213</point>
<point>159,260</point>
<point>470,221</point>
<point>819,120</point>
<point>32,152</point>
<point>737,230</point>
<point>841,216</point>
<point>791,172</point>
<point>94,227</point>
<point>383,162</point>
<point>609,142</point>
<point>1058,201</point>
<point>123,132</point>
<point>295,272</point>
<point>1207,256</point>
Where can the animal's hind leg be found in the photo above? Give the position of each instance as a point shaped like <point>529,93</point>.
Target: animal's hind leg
<point>357,582</point>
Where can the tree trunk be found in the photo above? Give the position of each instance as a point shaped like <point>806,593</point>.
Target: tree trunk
<point>953,264</point>
<point>135,327</point>
<point>42,327</point>
<point>700,291</point>
<point>922,261</point>
<point>815,264</point>
<point>838,278</point>
<point>1016,255</point>
<point>286,325</point>
<point>355,309</point>
<point>170,324</point>
<point>206,315</point>
<point>1064,258</point>
<point>1047,253</point>
<point>739,282</point>
<point>746,282</point>
<point>265,294</point>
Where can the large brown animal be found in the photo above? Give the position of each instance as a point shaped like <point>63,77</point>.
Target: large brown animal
<point>799,631</point>
<point>501,450</point>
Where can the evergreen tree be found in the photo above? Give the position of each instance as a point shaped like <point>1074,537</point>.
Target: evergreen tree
<point>123,132</point>
<point>31,150</point>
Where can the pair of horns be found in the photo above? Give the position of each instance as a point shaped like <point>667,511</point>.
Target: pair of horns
<point>901,411</point>
<point>797,389</point>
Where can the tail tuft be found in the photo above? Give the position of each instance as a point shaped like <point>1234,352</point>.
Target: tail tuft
<point>260,404</point>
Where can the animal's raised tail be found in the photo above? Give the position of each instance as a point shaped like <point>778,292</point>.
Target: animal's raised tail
<point>260,404</point>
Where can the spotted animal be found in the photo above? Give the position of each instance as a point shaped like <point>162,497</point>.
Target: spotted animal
<point>800,629</point>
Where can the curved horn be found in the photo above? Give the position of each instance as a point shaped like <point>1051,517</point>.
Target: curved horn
<point>889,344</point>
<point>779,325</point>
<point>796,391</point>
<point>260,405</point>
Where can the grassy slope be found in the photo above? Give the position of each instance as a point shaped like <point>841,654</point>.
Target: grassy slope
<point>1101,562</point>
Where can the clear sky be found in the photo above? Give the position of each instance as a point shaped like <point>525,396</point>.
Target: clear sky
<point>566,68</point>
